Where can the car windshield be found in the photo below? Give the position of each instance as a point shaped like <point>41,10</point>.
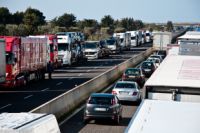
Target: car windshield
<point>133,72</point>
<point>63,46</point>
<point>110,42</point>
<point>92,45</point>
<point>147,65</point>
<point>100,100</point>
<point>125,85</point>
<point>133,38</point>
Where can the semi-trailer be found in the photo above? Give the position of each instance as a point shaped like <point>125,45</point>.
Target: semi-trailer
<point>28,123</point>
<point>26,60</point>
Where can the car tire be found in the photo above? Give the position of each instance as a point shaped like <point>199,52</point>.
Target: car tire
<point>86,121</point>
<point>117,119</point>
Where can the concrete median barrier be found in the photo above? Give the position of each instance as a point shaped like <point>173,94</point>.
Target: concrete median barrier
<point>68,101</point>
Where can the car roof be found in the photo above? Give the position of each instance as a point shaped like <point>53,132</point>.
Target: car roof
<point>125,82</point>
<point>102,95</point>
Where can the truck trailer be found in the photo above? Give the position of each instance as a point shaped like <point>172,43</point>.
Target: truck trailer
<point>26,60</point>
<point>157,116</point>
<point>161,39</point>
<point>28,123</point>
<point>2,61</point>
<point>176,79</point>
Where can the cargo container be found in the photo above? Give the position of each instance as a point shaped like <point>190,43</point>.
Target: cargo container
<point>52,48</point>
<point>161,39</point>
<point>28,123</point>
<point>156,116</point>
<point>26,60</point>
<point>189,43</point>
<point>177,79</point>
<point>2,61</point>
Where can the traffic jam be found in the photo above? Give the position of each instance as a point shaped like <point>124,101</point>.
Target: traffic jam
<point>168,76</point>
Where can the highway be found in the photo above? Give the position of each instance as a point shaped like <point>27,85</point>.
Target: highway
<point>26,98</point>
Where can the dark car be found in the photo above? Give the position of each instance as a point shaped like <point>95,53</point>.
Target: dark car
<point>148,67</point>
<point>134,74</point>
<point>103,106</point>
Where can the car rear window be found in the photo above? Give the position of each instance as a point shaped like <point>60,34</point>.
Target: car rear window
<point>125,85</point>
<point>100,100</point>
<point>147,65</point>
<point>133,72</point>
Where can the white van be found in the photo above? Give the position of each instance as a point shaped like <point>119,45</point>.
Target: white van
<point>134,38</point>
<point>28,123</point>
<point>125,40</point>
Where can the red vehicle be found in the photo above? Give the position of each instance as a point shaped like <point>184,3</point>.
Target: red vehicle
<point>26,60</point>
<point>52,47</point>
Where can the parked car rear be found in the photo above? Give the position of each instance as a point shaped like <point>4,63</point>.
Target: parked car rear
<point>134,74</point>
<point>103,106</point>
<point>127,91</point>
<point>148,67</point>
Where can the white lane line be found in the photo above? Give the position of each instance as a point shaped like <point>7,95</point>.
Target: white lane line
<point>45,89</point>
<point>59,83</point>
<point>6,106</point>
<point>28,96</point>
<point>80,74</point>
<point>88,70</point>
<point>95,67</point>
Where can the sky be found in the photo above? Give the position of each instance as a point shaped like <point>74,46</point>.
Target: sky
<point>157,11</point>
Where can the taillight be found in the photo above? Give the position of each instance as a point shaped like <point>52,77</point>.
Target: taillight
<point>114,92</point>
<point>134,93</point>
<point>124,76</point>
<point>113,102</point>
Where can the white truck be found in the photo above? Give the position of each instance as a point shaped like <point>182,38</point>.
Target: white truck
<point>125,40</point>
<point>157,116</point>
<point>2,61</point>
<point>177,79</point>
<point>66,50</point>
<point>28,123</point>
<point>161,39</point>
<point>134,38</point>
<point>189,43</point>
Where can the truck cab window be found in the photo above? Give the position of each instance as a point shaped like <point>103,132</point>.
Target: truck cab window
<point>10,58</point>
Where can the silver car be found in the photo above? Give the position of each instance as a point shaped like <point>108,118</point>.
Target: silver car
<point>127,91</point>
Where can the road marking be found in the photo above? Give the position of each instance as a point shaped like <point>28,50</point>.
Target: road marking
<point>80,74</point>
<point>45,89</point>
<point>5,106</point>
<point>88,70</point>
<point>95,67</point>
<point>59,83</point>
<point>28,96</point>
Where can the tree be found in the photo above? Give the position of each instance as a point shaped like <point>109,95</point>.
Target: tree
<point>170,26</point>
<point>5,16</point>
<point>128,24</point>
<point>107,21</point>
<point>139,24</point>
<point>3,30</point>
<point>66,20</point>
<point>17,18</point>
<point>33,17</point>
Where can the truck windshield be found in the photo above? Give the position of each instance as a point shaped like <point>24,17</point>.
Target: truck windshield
<point>90,45</point>
<point>9,58</point>
<point>63,46</point>
<point>51,48</point>
<point>110,42</point>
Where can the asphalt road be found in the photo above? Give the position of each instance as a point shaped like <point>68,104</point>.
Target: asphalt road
<point>26,98</point>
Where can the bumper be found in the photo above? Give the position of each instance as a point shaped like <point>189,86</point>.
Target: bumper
<point>128,98</point>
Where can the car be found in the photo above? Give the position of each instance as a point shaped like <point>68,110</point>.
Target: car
<point>157,56</point>
<point>114,45</point>
<point>103,106</point>
<point>163,53</point>
<point>92,50</point>
<point>155,60</point>
<point>134,74</point>
<point>127,91</point>
<point>148,67</point>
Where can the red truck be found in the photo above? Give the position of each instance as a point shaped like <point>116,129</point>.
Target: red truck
<point>26,60</point>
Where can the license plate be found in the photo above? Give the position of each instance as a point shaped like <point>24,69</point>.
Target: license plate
<point>100,109</point>
<point>147,70</point>
<point>124,92</point>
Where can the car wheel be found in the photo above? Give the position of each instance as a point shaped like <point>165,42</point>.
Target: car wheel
<point>86,121</point>
<point>117,119</point>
